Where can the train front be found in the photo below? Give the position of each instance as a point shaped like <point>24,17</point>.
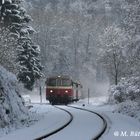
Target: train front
<point>59,90</point>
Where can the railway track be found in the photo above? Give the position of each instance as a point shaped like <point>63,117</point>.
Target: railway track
<point>96,137</point>
<point>58,129</point>
<point>102,131</point>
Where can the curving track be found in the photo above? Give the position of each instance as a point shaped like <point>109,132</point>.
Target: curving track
<point>102,131</point>
<point>58,133</point>
<point>60,128</point>
<point>92,124</point>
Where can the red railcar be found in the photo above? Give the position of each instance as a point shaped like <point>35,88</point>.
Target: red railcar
<point>60,89</point>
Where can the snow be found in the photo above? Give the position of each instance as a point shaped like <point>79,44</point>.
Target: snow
<point>92,124</point>
<point>34,95</point>
<point>94,100</point>
<point>11,103</point>
<point>127,95</point>
<point>118,124</point>
<point>84,126</point>
<point>127,89</point>
<point>121,124</point>
<point>51,118</point>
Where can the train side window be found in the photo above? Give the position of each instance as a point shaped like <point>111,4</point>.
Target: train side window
<point>66,82</point>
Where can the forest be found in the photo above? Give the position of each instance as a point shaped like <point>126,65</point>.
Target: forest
<point>96,42</point>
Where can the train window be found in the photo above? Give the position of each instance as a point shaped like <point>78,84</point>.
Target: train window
<point>66,82</point>
<point>51,82</point>
<point>58,82</point>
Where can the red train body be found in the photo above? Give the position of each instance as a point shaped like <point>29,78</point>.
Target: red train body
<point>60,89</point>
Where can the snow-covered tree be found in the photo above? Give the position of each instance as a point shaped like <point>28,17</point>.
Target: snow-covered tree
<point>62,67</point>
<point>131,25</point>
<point>127,89</point>
<point>15,19</point>
<point>12,109</point>
<point>28,59</point>
<point>72,31</point>
<point>112,52</point>
<point>126,14</point>
<point>8,37</point>
<point>7,50</point>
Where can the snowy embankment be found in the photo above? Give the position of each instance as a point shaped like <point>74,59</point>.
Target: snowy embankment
<point>52,118</point>
<point>13,113</point>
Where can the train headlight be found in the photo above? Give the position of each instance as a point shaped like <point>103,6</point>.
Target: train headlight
<point>66,91</point>
<point>51,91</point>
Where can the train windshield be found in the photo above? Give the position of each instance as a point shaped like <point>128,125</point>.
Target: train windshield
<point>51,82</point>
<point>59,82</point>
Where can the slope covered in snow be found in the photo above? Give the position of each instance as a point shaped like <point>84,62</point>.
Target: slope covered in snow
<point>51,118</point>
<point>13,113</point>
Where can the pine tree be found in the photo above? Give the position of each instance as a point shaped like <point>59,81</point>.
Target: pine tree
<point>14,18</point>
<point>28,58</point>
<point>8,40</point>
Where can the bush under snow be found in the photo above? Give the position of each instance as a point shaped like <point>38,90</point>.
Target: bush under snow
<point>127,89</point>
<point>129,108</point>
<point>13,113</point>
<point>127,95</point>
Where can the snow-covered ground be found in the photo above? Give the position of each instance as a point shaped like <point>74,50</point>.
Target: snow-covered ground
<point>34,96</point>
<point>85,125</point>
<point>120,127</point>
<point>11,104</point>
<point>51,119</point>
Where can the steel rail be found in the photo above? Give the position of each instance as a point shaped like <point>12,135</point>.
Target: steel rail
<point>58,129</point>
<point>102,131</point>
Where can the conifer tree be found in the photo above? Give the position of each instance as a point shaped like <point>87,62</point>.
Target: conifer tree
<point>28,59</point>
<point>14,17</point>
